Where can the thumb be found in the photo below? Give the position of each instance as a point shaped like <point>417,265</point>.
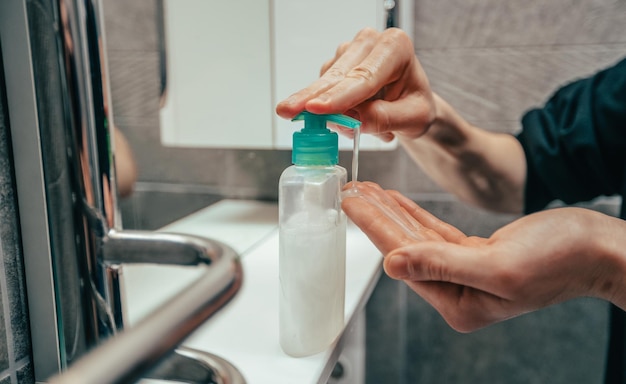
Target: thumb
<point>438,261</point>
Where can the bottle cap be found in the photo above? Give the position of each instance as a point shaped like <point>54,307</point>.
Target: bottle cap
<point>315,144</point>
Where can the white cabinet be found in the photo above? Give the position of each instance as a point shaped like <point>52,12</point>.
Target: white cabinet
<point>230,62</point>
<point>218,65</point>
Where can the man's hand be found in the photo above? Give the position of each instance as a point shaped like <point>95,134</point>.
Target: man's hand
<point>538,260</point>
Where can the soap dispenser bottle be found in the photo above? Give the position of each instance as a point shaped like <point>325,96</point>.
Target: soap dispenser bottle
<point>312,236</point>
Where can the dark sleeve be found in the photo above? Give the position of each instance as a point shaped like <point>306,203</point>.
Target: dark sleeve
<point>575,145</point>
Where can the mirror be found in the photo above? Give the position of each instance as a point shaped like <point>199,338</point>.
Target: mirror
<point>180,174</point>
<point>227,64</point>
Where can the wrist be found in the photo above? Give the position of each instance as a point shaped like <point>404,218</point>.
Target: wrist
<point>609,243</point>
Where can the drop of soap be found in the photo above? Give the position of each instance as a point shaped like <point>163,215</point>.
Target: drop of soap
<point>355,154</point>
<point>351,190</point>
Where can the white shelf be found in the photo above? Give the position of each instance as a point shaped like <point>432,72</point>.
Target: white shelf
<point>245,332</point>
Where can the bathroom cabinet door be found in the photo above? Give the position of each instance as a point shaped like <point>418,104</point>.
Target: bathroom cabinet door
<point>218,64</point>
<point>229,63</point>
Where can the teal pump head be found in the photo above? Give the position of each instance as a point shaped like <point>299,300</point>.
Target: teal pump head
<point>315,144</point>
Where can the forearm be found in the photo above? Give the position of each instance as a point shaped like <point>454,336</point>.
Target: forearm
<point>482,168</point>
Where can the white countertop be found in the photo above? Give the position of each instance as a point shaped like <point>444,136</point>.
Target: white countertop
<point>245,331</point>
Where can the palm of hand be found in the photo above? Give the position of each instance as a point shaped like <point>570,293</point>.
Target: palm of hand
<point>531,263</point>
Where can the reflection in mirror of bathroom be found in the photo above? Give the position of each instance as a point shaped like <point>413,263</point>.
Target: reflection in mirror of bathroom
<point>196,91</point>
<point>223,94</point>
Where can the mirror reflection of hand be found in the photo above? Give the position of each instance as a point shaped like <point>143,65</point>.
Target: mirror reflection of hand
<point>377,79</point>
<point>538,260</point>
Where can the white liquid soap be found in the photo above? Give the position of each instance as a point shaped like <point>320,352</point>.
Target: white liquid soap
<point>312,235</point>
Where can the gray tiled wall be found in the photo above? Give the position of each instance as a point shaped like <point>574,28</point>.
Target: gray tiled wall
<point>490,59</point>
<point>15,360</point>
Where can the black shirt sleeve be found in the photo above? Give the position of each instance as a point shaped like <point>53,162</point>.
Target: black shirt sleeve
<point>575,145</point>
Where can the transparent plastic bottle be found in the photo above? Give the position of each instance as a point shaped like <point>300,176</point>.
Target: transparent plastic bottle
<point>312,235</point>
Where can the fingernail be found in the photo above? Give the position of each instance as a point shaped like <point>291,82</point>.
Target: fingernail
<point>397,266</point>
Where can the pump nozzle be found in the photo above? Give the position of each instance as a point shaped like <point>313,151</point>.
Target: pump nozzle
<point>319,121</point>
<point>315,144</point>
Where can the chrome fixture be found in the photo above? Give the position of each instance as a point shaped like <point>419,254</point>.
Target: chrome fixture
<point>143,350</point>
<point>74,244</point>
<point>391,10</point>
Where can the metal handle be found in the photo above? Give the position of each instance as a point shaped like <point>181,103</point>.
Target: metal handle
<point>135,350</point>
<point>184,363</point>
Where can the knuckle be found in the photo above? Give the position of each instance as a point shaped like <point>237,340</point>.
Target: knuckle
<point>422,118</point>
<point>436,270</point>
<point>396,37</point>
<point>343,47</point>
<point>335,73</point>
<point>382,119</point>
<point>325,67</point>
<point>362,72</point>
<point>367,33</point>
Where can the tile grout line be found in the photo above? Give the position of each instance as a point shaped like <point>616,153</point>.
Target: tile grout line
<point>20,364</point>
<point>4,374</point>
<point>23,362</point>
<point>7,319</point>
